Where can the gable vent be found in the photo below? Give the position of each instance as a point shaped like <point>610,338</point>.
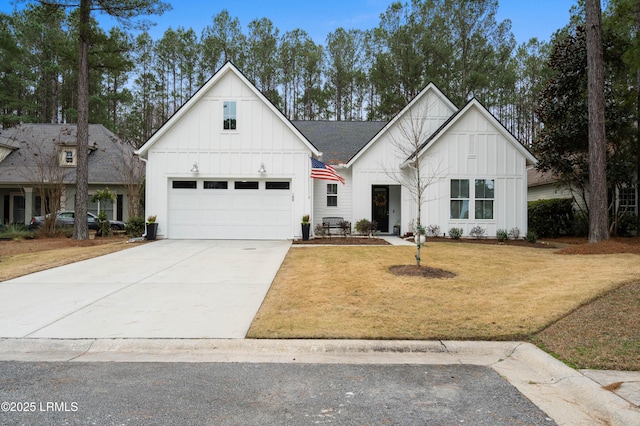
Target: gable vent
<point>472,146</point>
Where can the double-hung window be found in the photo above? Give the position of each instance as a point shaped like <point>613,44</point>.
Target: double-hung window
<point>229,115</point>
<point>484,198</point>
<point>459,199</point>
<point>332,195</point>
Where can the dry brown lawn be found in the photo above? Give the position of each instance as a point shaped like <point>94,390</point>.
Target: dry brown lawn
<point>21,257</point>
<point>499,292</point>
<point>604,334</point>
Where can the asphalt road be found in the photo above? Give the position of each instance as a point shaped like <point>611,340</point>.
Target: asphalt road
<point>73,393</point>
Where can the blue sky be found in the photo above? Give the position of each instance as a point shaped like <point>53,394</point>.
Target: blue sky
<point>538,18</point>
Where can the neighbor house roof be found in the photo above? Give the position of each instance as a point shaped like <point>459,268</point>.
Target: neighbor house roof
<point>339,140</point>
<point>537,178</point>
<point>34,146</point>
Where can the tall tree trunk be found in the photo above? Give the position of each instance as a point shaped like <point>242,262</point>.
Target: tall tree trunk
<point>638,150</point>
<point>637,12</point>
<point>81,231</point>
<point>598,218</point>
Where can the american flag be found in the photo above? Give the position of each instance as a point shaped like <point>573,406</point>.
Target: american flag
<point>319,170</point>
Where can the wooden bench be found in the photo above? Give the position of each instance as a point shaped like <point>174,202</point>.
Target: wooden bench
<point>329,223</point>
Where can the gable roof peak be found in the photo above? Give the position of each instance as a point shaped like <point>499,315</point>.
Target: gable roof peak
<point>213,80</point>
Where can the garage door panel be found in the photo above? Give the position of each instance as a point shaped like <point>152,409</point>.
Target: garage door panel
<point>229,213</point>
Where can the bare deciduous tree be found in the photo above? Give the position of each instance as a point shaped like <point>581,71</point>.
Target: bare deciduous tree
<point>131,171</point>
<point>47,177</point>
<point>414,175</point>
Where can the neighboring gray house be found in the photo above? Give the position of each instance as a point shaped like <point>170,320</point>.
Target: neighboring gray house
<point>34,156</point>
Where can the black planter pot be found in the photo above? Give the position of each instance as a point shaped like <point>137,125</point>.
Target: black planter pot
<point>152,229</point>
<point>306,227</point>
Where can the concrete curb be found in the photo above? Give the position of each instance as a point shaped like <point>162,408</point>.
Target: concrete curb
<point>566,395</point>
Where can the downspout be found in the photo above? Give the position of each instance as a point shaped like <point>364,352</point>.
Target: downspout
<point>144,160</point>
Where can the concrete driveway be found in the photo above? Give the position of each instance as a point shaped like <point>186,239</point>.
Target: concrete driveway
<point>165,289</point>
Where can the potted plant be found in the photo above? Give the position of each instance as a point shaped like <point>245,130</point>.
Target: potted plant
<point>152,227</point>
<point>306,226</point>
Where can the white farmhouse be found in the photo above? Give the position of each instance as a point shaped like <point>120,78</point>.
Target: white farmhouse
<point>229,165</point>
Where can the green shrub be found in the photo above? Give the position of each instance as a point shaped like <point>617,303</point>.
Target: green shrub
<point>15,232</point>
<point>531,237</point>
<point>135,226</point>
<point>319,230</point>
<point>627,224</point>
<point>551,218</point>
<point>456,233</point>
<point>580,225</point>
<point>104,227</point>
<point>502,235</point>
<point>366,227</point>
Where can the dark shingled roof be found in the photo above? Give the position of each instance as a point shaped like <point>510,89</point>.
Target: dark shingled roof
<point>35,141</point>
<point>339,140</point>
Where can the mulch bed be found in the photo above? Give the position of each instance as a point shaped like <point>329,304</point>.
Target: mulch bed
<point>493,241</point>
<point>420,271</point>
<point>345,241</point>
<point>565,245</point>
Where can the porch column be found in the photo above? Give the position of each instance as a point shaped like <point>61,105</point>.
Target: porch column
<point>28,205</point>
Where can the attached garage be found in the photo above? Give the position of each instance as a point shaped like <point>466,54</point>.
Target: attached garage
<point>230,209</point>
<point>228,165</point>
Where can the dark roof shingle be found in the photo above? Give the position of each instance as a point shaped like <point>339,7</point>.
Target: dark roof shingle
<point>33,142</point>
<point>339,140</point>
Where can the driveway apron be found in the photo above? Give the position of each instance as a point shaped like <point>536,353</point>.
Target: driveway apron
<point>164,289</point>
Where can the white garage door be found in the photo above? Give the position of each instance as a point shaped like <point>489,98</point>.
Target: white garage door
<point>229,209</point>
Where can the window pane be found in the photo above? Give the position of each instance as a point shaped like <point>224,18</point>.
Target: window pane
<point>332,201</point>
<point>246,185</point>
<point>229,115</point>
<point>484,209</point>
<point>455,188</point>
<point>459,188</point>
<point>277,185</point>
<point>332,188</point>
<point>459,209</point>
<point>464,188</point>
<point>184,184</point>
<point>216,184</point>
<point>484,188</point>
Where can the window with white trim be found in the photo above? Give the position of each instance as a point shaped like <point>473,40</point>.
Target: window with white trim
<point>459,206</point>
<point>484,199</point>
<point>229,118</point>
<point>332,195</point>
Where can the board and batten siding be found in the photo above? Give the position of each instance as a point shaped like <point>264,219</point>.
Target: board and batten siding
<point>380,164</point>
<point>261,137</point>
<point>473,148</point>
<point>344,208</point>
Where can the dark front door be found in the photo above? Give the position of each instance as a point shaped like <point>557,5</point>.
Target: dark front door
<point>380,206</point>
